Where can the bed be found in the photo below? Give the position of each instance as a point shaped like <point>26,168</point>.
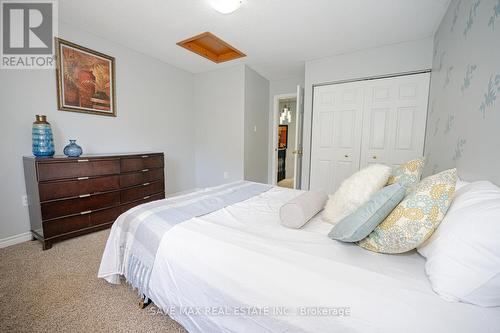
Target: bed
<point>237,269</point>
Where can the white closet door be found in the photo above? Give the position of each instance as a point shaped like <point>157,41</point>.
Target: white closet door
<point>336,134</point>
<point>394,119</point>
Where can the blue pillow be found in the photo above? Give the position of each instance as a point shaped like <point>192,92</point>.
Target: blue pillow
<point>366,218</point>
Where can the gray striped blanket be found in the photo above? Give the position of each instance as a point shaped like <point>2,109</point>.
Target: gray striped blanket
<point>149,222</point>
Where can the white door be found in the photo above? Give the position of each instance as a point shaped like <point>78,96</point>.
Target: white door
<point>394,119</point>
<point>299,121</point>
<point>359,123</point>
<point>336,134</point>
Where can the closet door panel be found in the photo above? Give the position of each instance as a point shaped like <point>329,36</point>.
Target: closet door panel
<point>396,107</point>
<point>378,119</point>
<point>336,135</point>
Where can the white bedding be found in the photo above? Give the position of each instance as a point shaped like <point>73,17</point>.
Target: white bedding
<point>241,257</point>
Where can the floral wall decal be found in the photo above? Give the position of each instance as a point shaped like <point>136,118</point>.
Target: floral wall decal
<point>491,94</point>
<point>441,60</point>
<point>455,15</point>
<point>469,73</point>
<point>472,16</point>
<point>449,124</point>
<point>436,126</point>
<point>496,14</point>
<point>435,49</point>
<point>459,149</point>
<point>464,106</point>
<point>448,73</point>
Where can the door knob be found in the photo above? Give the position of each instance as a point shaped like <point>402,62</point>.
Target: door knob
<point>374,157</point>
<point>346,156</point>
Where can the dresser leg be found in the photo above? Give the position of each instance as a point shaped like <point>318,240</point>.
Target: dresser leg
<point>46,245</point>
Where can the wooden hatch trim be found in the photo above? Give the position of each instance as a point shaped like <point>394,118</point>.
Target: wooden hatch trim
<point>211,47</point>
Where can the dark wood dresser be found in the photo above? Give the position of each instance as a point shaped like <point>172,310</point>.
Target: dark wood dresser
<point>69,197</point>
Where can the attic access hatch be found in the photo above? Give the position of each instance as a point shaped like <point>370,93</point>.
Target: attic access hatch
<point>211,47</point>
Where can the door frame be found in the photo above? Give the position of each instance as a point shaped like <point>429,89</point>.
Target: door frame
<point>274,134</point>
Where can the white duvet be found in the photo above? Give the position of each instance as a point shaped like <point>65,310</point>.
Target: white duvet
<point>239,270</point>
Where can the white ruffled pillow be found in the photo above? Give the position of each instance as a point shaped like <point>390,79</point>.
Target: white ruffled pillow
<point>463,254</point>
<point>355,191</point>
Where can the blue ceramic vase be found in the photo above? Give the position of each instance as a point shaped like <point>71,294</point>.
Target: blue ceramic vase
<point>72,149</point>
<point>43,140</point>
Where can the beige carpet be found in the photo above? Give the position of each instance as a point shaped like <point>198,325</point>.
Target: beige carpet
<point>58,290</point>
<point>287,182</point>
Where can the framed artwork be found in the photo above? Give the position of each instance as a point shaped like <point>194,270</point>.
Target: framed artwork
<point>85,80</point>
<point>282,136</point>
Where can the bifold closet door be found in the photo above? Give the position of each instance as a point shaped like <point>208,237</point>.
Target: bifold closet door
<point>364,122</point>
<point>336,134</point>
<point>394,119</point>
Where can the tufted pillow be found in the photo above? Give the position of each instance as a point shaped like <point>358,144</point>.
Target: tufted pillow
<point>355,191</point>
<point>416,217</point>
<point>407,174</point>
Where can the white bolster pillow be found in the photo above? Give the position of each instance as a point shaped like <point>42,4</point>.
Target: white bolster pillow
<point>296,212</point>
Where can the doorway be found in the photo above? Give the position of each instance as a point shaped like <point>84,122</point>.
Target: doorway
<point>287,139</point>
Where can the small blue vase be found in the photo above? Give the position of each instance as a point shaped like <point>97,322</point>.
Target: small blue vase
<point>43,140</point>
<point>72,149</point>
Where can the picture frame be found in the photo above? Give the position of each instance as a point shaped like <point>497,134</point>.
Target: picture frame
<point>85,80</point>
<point>283,136</point>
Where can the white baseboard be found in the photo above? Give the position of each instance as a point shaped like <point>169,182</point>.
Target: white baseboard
<point>16,239</point>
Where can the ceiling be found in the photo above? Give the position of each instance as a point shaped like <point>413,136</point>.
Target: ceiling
<point>277,35</point>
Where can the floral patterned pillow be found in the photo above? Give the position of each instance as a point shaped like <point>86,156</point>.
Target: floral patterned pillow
<point>407,174</point>
<point>416,217</point>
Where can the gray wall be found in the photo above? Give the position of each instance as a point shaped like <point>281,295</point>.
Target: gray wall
<point>256,126</point>
<point>390,59</point>
<point>463,128</point>
<point>155,112</point>
<point>229,102</point>
<point>219,126</point>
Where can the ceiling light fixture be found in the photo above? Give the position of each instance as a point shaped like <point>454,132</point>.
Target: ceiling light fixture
<point>225,6</point>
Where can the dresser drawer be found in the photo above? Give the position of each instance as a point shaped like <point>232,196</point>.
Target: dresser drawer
<point>75,223</point>
<point>128,206</point>
<point>54,209</point>
<point>104,216</point>
<point>71,188</point>
<point>85,168</point>
<point>64,225</point>
<point>138,178</point>
<point>141,162</point>
<point>136,193</point>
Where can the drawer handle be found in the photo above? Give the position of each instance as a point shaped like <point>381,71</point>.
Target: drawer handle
<point>84,195</point>
<point>86,212</point>
<point>146,197</point>
<point>145,184</point>
<point>145,156</point>
<point>145,170</point>
<point>84,160</point>
<point>83,178</point>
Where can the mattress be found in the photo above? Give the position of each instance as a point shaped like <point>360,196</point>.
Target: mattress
<point>238,270</point>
